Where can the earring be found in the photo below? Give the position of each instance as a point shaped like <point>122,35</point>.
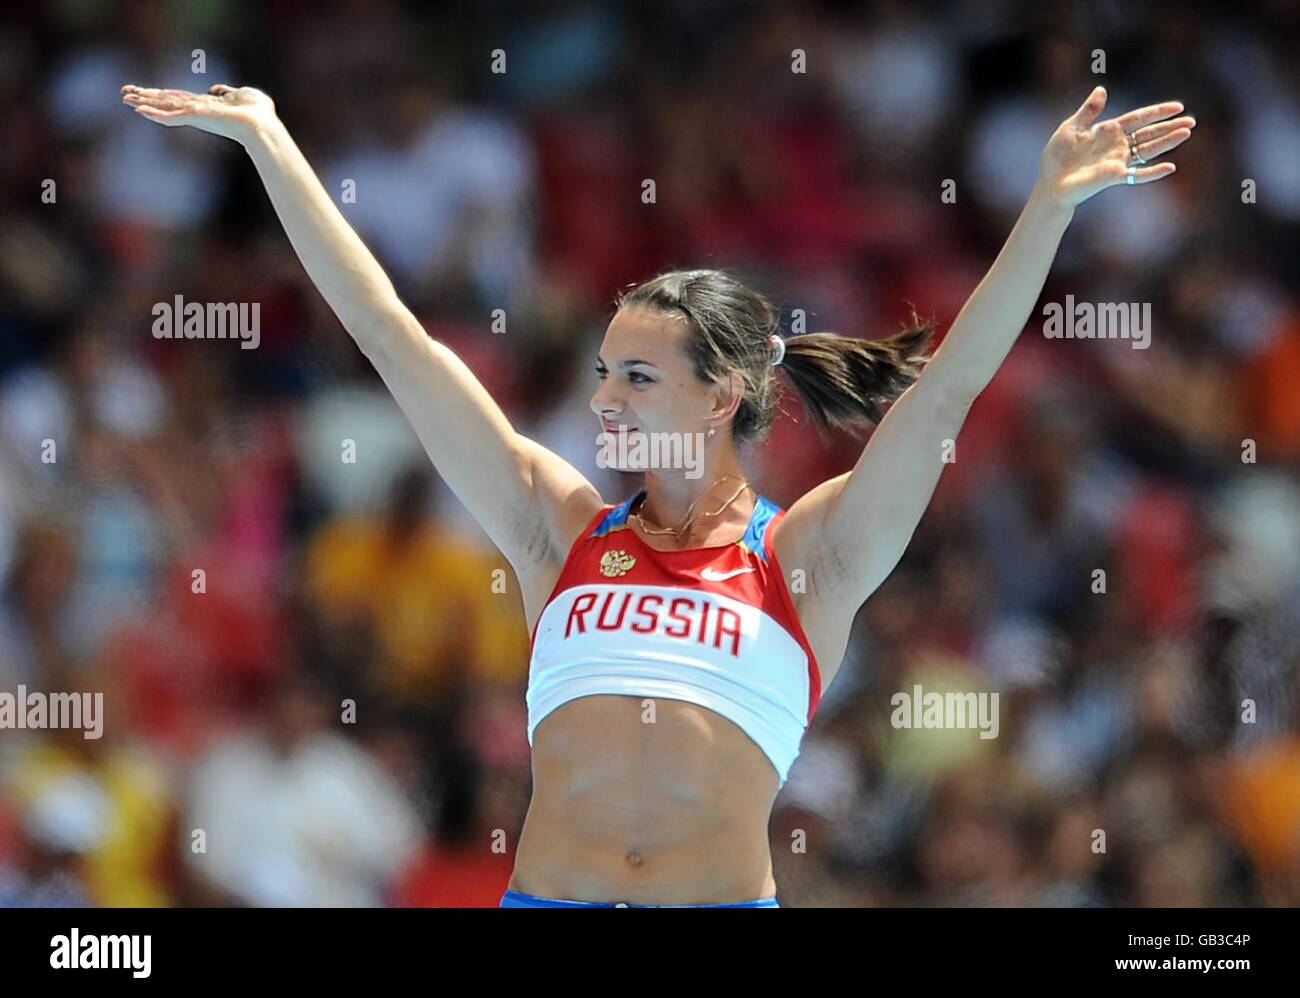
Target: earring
<point>712,431</point>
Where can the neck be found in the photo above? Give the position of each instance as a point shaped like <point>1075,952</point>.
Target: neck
<point>669,494</point>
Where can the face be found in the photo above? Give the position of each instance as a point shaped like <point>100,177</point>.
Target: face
<point>647,384</point>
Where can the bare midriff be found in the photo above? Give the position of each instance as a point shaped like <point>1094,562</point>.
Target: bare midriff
<point>672,810</point>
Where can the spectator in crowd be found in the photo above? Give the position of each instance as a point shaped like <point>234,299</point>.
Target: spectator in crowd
<point>291,814</point>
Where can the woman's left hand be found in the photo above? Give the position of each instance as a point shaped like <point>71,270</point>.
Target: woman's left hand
<point>1085,156</point>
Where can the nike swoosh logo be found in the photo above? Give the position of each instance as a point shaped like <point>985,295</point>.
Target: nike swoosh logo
<point>713,576</point>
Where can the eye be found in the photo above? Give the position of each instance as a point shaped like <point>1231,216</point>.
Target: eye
<point>636,377</point>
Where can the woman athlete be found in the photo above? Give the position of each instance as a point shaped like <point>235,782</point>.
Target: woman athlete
<point>673,671</point>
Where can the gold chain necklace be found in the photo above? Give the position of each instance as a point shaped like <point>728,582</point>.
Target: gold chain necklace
<point>680,531</point>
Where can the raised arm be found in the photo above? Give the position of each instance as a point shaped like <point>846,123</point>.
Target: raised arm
<point>530,501</point>
<point>852,530</point>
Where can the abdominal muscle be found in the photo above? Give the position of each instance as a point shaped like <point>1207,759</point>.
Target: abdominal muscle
<point>669,812</point>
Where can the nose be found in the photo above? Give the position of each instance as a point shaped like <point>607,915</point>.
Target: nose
<point>605,402</point>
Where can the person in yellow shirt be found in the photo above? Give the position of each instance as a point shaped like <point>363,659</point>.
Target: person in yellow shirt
<point>104,805</point>
<point>429,609</point>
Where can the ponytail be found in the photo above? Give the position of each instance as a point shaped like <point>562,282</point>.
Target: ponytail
<point>843,381</point>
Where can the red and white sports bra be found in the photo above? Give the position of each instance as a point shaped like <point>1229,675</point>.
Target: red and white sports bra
<point>712,626</point>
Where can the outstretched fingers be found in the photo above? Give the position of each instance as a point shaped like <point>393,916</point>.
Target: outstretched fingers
<point>1156,140</point>
<point>1162,145</point>
<point>167,107</point>
<point>160,101</point>
<point>154,92</point>
<point>1147,115</point>
<point>1146,174</point>
<point>163,116</point>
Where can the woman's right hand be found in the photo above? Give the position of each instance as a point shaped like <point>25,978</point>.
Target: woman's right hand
<point>234,112</point>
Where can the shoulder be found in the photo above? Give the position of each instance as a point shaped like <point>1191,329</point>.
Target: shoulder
<point>797,537</point>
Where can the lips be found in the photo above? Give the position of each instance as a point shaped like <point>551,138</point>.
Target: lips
<point>608,428</point>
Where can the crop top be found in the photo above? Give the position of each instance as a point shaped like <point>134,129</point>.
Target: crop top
<point>712,626</point>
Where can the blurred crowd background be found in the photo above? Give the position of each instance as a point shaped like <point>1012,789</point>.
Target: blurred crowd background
<point>1174,470</point>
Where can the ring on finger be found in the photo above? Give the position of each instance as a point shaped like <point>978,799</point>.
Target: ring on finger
<point>1133,149</point>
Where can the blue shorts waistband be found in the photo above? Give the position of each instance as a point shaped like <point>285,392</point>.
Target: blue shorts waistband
<point>518,899</point>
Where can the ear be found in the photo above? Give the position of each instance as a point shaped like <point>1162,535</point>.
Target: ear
<point>727,396</point>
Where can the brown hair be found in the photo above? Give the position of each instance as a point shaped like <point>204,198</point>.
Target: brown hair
<point>842,381</point>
